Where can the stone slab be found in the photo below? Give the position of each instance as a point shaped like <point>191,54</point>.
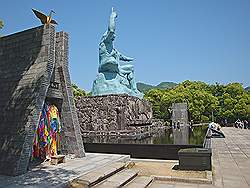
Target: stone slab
<point>61,175</point>
<point>140,182</point>
<point>118,179</point>
<point>100,174</point>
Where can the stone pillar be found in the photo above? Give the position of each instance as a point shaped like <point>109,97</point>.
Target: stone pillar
<point>180,113</point>
<point>71,136</point>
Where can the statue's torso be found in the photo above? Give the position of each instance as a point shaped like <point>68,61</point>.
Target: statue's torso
<point>108,58</point>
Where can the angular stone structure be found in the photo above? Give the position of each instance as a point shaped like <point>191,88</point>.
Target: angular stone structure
<point>34,70</point>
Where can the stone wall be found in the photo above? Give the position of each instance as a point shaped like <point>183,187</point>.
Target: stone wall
<point>112,112</point>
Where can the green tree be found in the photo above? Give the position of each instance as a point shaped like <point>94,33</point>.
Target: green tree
<point>77,91</point>
<point>155,97</point>
<point>222,101</point>
<point>234,103</point>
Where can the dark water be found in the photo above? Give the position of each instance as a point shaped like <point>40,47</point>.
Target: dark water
<point>182,136</point>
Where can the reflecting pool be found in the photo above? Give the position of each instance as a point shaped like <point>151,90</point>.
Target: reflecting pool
<point>183,135</point>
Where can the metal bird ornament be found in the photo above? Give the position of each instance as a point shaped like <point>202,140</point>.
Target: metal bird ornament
<point>43,18</point>
<point>1,24</point>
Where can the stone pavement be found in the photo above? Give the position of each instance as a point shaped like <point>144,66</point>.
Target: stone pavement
<point>231,162</point>
<point>47,175</point>
<point>231,166</point>
<point>231,158</point>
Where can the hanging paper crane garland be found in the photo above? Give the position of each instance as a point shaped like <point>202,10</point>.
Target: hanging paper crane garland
<point>48,134</point>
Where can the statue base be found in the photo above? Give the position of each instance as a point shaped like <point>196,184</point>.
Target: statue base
<point>112,112</point>
<point>116,118</point>
<point>106,86</point>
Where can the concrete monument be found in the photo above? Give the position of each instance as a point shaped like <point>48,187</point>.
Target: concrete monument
<point>114,76</point>
<point>34,71</point>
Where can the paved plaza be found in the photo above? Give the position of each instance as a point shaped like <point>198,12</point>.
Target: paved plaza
<point>231,162</point>
<point>231,166</point>
<point>231,158</point>
<point>47,175</point>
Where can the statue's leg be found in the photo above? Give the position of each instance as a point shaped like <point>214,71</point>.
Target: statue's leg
<point>132,81</point>
<point>129,71</point>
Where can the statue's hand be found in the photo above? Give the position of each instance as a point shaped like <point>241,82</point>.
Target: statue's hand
<point>129,59</point>
<point>125,58</point>
<point>112,18</point>
<point>114,13</point>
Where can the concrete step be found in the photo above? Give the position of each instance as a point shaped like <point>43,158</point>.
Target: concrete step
<point>139,182</point>
<point>97,175</point>
<point>118,180</point>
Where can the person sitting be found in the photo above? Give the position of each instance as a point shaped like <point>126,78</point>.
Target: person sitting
<point>245,124</point>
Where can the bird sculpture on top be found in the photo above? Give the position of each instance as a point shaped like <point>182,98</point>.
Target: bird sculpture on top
<point>43,18</point>
<point>1,24</point>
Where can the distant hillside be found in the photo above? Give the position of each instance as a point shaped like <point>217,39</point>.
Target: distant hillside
<point>143,87</point>
<point>163,85</point>
<point>247,88</point>
<point>166,85</point>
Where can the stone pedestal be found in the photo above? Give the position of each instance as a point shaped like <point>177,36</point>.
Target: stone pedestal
<point>112,112</point>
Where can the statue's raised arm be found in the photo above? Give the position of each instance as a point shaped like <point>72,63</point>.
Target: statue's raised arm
<point>109,36</point>
<point>112,18</point>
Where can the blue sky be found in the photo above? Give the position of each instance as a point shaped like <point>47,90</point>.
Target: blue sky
<point>171,40</point>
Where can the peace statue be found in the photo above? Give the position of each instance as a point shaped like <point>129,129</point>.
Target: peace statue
<point>115,73</point>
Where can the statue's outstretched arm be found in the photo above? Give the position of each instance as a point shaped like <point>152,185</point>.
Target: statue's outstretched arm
<point>125,58</point>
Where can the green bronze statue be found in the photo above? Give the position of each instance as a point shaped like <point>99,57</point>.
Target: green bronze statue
<point>115,73</point>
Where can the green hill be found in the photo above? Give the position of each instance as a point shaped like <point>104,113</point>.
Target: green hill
<point>166,85</point>
<point>163,85</point>
<point>144,87</point>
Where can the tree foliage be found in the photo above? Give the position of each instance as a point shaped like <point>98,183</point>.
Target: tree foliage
<point>77,92</point>
<point>223,102</point>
